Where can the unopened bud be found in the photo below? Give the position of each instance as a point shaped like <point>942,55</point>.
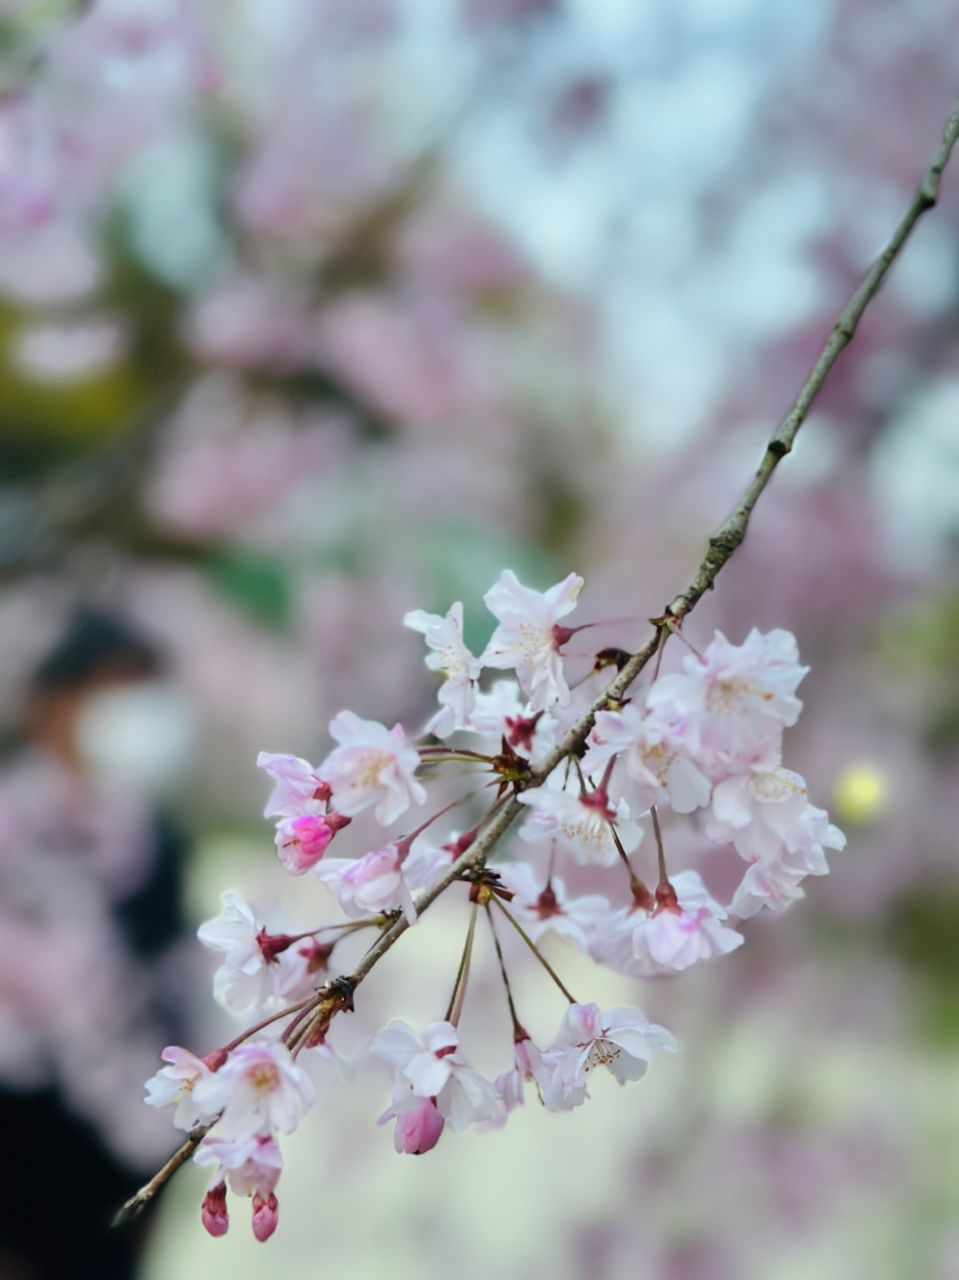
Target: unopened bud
<point>265,1216</point>
<point>213,1211</point>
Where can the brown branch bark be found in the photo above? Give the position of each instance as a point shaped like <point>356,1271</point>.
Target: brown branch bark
<point>721,546</point>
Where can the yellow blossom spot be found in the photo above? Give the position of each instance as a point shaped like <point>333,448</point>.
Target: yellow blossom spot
<point>861,793</point>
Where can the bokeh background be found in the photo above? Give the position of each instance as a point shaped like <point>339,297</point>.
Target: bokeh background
<point>313,311</point>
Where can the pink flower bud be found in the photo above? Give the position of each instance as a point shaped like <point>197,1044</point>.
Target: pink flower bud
<point>302,841</point>
<point>265,1216</point>
<point>418,1131</point>
<point>213,1212</point>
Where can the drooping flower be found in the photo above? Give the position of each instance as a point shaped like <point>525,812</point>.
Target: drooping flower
<point>173,1086</point>
<point>300,801</point>
<point>251,1167</point>
<point>297,787</point>
<point>430,1067</point>
<point>527,1069</point>
<point>582,823</point>
<point>767,816</point>
<point>259,1089</point>
<point>449,655</point>
<point>773,885</point>
<point>372,766</point>
<point>529,637</point>
<point>547,908</point>
<point>622,1039</point>
<point>302,841</point>
<point>655,766</point>
<point>684,926</point>
<point>417,1130</point>
<point>246,976</point>
<point>732,705</point>
<point>611,942</point>
<point>765,812</point>
<point>371,884</point>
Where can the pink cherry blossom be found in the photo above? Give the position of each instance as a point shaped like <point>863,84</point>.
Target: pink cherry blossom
<point>173,1085</point>
<point>426,860</point>
<point>259,1089</point>
<point>684,926</point>
<point>297,786</point>
<point>543,909</point>
<point>623,1039</point>
<point>430,1067</point>
<point>371,884</point>
<point>611,943</point>
<point>301,842</point>
<point>772,885</point>
<point>449,655</point>
<point>582,823</point>
<point>418,1130</point>
<point>767,812</point>
<point>732,705</point>
<point>372,766</point>
<point>652,757</point>
<point>529,637</point>
<point>527,1069</point>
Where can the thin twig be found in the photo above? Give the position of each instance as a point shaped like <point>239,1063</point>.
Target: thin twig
<point>136,1204</point>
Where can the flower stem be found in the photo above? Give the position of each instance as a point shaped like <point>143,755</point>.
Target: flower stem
<point>536,951</point>
<point>660,851</point>
<point>458,995</point>
<point>518,1028</point>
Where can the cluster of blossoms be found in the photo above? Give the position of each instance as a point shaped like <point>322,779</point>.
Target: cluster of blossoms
<point>590,770</point>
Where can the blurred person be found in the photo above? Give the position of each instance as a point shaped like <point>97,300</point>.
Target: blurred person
<point>90,919</point>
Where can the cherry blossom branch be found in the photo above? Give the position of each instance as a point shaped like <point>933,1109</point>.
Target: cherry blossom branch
<point>133,1207</point>
<point>721,546</point>
<point>337,994</point>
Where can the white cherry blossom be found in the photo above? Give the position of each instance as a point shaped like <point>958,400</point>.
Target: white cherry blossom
<point>502,712</point>
<point>622,1039</point>
<point>449,655</point>
<point>173,1086</point>
<point>259,1090</point>
<point>581,823</point>
<point>245,977</point>
<point>529,637</point>
<point>546,908</point>
<point>653,765</point>
<point>431,1067</point>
